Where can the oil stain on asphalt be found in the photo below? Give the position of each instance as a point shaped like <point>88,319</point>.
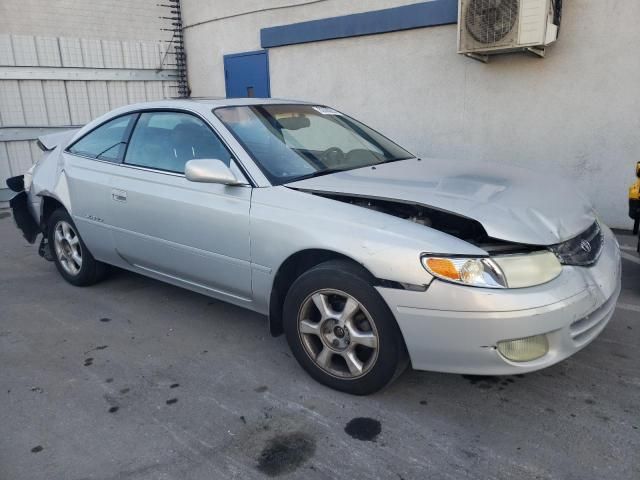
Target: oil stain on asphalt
<point>363,428</point>
<point>285,453</point>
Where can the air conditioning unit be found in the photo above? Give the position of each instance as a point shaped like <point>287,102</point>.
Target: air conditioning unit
<point>489,27</point>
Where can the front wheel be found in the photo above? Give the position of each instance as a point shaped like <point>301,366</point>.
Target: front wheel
<point>341,330</point>
<point>72,257</point>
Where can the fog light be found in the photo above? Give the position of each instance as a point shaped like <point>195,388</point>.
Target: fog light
<point>524,349</point>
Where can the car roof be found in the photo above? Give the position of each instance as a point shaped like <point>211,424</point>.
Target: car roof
<point>211,102</point>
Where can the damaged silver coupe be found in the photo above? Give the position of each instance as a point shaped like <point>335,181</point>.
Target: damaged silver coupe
<point>366,257</point>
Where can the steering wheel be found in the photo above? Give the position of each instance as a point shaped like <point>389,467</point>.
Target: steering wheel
<point>333,156</point>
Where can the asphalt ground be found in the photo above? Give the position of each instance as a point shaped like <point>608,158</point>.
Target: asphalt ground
<point>136,379</point>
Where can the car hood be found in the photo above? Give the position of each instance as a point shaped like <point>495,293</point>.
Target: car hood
<point>512,204</point>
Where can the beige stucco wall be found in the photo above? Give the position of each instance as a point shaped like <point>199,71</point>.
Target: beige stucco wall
<point>575,112</point>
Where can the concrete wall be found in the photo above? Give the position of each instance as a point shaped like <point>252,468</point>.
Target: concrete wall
<point>105,19</point>
<point>575,113</point>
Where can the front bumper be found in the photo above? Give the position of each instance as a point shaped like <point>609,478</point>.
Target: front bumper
<point>453,328</point>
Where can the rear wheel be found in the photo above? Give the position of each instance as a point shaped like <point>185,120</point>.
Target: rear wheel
<point>341,331</point>
<point>71,256</point>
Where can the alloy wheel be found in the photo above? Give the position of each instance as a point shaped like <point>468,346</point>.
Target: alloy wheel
<point>338,333</point>
<point>67,247</point>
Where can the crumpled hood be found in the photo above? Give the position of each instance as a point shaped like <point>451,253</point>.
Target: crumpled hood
<point>512,204</point>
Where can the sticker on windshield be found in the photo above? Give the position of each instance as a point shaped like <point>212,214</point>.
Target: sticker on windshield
<point>326,111</point>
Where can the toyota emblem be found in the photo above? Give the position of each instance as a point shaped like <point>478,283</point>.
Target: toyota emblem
<point>586,246</point>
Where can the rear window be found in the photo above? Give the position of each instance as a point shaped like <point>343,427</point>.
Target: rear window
<point>106,142</point>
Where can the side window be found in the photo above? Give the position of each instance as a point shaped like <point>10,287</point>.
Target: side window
<point>106,142</point>
<point>168,140</point>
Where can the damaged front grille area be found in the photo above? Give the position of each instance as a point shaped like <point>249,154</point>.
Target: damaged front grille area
<point>583,250</point>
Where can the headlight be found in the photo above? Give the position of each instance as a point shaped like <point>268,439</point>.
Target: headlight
<point>506,271</point>
<point>477,272</point>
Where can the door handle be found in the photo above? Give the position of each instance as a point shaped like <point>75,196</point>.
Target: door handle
<point>119,195</point>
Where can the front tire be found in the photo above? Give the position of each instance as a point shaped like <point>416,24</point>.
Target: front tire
<point>341,330</point>
<point>71,256</point>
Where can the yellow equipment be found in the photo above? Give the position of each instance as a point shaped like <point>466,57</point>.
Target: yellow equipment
<point>634,201</point>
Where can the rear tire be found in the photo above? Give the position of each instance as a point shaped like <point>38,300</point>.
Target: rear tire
<point>341,331</point>
<point>71,256</point>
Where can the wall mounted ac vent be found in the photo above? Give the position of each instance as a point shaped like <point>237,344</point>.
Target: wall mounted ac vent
<point>489,27</point>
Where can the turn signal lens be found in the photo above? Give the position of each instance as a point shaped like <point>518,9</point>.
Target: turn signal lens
<point>477,272</point>
<point>524,349</point>
<point>443,267</point>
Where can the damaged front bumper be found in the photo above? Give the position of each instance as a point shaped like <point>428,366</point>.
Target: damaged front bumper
<point>457,329</point>
<point>20,206</point>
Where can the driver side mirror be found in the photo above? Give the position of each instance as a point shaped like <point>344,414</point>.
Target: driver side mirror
<point>638,169</point>
<point>210,171</point>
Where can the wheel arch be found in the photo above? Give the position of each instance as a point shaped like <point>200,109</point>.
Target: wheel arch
<point>49,204</point>
<point>294,266</point>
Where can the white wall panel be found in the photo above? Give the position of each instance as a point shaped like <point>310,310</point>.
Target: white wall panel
<point>6,50</point>
<point>132,54</point>
<point>48,52</point>
<point>55,95</point>
<point>112,54</point>
<point>71,52</point>
<point>150,55</point>
<point>136,92</point>
<point>117,94</point>
<point>78,102</point>
<point>11,103</point>
<point>67,103</point>
<point>24,50</point>
<point>92,53</point>
<point>153,90</point>
<point>98,98</point>
<point>19,157</point>
<point>33,102</point>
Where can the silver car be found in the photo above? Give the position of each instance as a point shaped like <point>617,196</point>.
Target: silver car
<point>364,255</point>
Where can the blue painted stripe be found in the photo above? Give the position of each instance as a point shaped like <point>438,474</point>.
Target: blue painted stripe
<point>417,15</point>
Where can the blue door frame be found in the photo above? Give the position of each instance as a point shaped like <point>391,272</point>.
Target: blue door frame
<point>247,74</point>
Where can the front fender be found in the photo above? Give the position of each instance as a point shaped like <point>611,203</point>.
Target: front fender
<point>286,221</point>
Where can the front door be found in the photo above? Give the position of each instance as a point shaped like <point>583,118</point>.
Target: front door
<point>247,75</point>
<point>194,234</point>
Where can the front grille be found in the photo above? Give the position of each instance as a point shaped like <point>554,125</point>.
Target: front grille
<point>582,250</point>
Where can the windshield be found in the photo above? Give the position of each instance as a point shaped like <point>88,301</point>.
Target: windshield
<point>292,142</point>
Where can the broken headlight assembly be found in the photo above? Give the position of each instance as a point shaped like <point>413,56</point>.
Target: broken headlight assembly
<point>505,271</point>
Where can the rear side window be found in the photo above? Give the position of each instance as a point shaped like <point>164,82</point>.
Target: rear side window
<point>167,140</point>
<point>107,142</point>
